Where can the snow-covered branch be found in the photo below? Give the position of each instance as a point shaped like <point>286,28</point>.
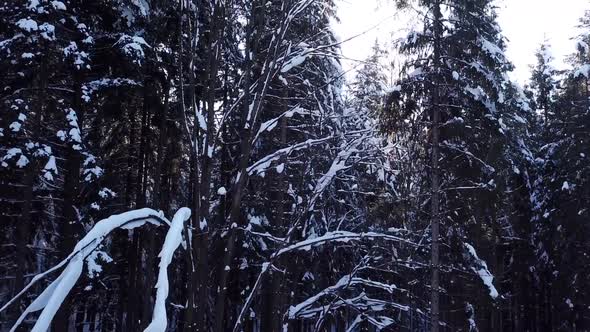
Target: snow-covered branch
<point>263,164</point>
<point>340,236</point>
<point>53,296</point>
<point>171,243</point>
<point>480,267</point>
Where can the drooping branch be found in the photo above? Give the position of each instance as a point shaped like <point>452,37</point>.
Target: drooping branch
<point>171,243</point>
<point>337,236</point>
<point>263,164</point>
<point>53,296</point>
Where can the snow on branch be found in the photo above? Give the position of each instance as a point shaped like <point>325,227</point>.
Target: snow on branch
<point>363,304</point>
<point>53,296</point>
<point>339,236</point>
<point>257,285</point>
<point>342,283</point>
<point>379,322</point>
<point>490,169</point>
<point>297,60</point>
<point>270,68</point>
<point>480,267</point>
<point>338,165</point>
<point>301,309</point>
<point>171,243</point>
<point>90,88</point>
<point>272,123</point>
<point>133,46</point>
<point>263,164</point>
<point>491,49</point>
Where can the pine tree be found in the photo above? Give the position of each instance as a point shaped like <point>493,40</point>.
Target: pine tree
<point>544,84</point>
<point>481,119</point>
<point>559,198</point>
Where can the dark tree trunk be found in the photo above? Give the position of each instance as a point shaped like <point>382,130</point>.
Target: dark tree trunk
<point>435,222</point>
<point>133,251</point>
<point>273,300</point>
<point>241,182</point>
<point>202,239</point>
<point>148,238</point>
<point>71,225</point>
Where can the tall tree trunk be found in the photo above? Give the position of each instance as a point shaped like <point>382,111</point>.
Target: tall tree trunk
<point>24,225</point>
<point>202,245</point>
<point>273,299</point>
<point>23,228</point>
<point>148,237</point>
<point>156,195</point>
<point>435,221</point>
<point>133,300</point>
<point>192,141</point>
<point>249,103</point>
<point>71,223</point>
<point>141,162</point>
<point>237,192</point>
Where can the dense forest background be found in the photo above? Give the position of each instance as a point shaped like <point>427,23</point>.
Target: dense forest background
<point>451,196</point>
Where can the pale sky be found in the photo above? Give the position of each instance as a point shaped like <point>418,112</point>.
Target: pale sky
<point>526,23</point>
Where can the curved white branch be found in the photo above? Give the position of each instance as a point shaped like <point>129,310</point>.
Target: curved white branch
<point>263,164</point>
<point>171,243</point>
<point>53,296</point>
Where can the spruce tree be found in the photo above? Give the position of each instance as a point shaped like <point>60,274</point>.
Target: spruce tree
<point>456,86</point>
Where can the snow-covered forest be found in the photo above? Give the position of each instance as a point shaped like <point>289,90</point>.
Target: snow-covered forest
<point>207,165</point>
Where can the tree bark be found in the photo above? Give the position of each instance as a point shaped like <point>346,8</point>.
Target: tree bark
<point>133,305</point>
<point>148,238</point>
<point>238,187</point>
<point>435,200</point>
<point>71,223</point>
<point>273,299</point>
<point>202,245</point>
